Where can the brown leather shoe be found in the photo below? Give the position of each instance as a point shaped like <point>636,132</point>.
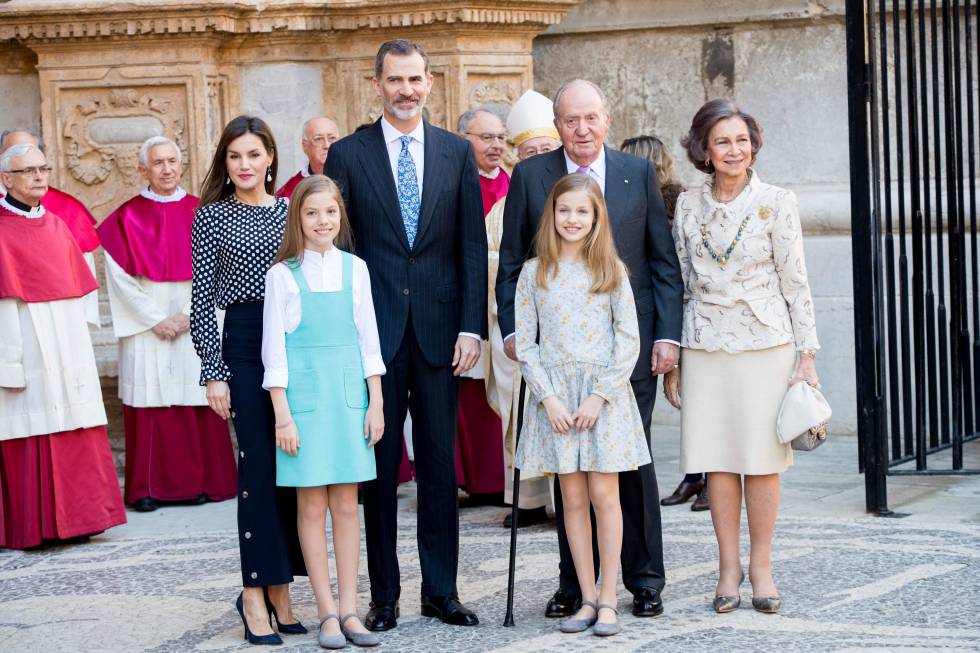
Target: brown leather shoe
<point>701,503</point>
<point>683,493</point>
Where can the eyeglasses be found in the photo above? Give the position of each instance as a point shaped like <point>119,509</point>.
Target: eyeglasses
<point>489,138</point>
<point>320,141</point>
<point>44,171</point>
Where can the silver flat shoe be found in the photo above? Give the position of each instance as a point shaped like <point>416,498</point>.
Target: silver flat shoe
<point>579,625</point>
<point>331,641</point>
<point>357,639</point>
<point>767,604</point>
<point>605,630</point>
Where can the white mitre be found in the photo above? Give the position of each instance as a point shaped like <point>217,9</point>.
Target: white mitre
<point>530,117</point>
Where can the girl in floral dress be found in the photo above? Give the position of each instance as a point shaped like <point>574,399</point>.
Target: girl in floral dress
<point>578,341</point>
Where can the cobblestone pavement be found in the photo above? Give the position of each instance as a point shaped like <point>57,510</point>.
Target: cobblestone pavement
<point>167,580</point>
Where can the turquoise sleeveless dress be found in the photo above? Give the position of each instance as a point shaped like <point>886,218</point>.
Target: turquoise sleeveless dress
<point>327,393</point>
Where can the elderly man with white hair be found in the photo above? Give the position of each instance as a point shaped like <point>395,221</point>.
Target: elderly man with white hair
<point>318,135</point>
<point>177,449</point>
<point>57,477</point>
<point>71,210</point>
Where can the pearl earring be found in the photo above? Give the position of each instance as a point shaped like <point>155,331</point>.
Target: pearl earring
<point>268,175</point>
<point>227,180</point>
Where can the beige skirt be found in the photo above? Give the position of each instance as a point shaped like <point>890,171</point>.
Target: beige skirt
<point>729,405</point>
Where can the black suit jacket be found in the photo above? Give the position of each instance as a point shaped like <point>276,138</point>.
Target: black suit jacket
<point>442,280</point>
<point>640,229</point>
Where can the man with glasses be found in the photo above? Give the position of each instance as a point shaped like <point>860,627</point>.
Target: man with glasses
<point>70,209</point>
<point>318,135</point>
<point>57,476</point>
<point>480,457</point>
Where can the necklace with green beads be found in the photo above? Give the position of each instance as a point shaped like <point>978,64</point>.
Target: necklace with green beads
<point>723,258</point>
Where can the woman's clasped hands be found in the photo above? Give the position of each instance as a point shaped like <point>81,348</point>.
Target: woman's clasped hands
<point>583,419</point>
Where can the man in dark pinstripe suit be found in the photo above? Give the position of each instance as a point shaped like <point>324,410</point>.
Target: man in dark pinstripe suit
<point>413,198</point>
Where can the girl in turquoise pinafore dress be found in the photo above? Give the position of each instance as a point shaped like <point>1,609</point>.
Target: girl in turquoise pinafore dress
<point>323,369</point>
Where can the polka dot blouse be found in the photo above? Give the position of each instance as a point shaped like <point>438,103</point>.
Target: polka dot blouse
<point>232,247</point>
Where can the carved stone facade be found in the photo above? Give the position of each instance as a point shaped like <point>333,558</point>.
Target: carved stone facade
<point>111,76</point>
<point>96,79</point>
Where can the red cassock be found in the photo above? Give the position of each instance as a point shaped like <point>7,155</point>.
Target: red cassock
<point>60,484</point>
<point>177,448</point>
<point>78,218</point>
<point>480,454</point>
<point>286,190</point>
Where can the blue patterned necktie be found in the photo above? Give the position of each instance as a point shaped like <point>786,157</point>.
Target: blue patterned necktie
<point>408,191</point>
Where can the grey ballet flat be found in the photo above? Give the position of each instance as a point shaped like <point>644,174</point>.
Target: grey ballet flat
<point>357,639</point>
<point>605,630</point>
<point>767,604</point>
<point>331,641</point>
<point>579,625</point>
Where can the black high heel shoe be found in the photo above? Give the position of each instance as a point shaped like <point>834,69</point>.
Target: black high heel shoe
<point>286,629</point>
<point>271,639</point>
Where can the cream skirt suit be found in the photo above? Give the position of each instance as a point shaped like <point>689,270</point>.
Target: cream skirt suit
<point>745,318</point>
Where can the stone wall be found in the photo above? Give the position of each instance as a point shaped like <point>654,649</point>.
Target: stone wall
<point>781,60</point>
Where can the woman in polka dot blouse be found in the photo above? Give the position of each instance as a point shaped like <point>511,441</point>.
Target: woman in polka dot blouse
<point>236,232</point>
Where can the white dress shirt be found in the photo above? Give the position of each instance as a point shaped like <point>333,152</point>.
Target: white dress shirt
<point>416,148</point>
<point>283,311</point>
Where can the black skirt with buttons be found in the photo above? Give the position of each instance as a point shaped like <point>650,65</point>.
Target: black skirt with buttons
<point>267,536</point>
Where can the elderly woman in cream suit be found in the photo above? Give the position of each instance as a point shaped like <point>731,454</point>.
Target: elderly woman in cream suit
<point>749,333</point>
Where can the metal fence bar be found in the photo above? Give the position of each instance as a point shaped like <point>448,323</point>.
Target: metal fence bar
<point>859,91</point>
<point>891,286</point>
<point>950,97</point>
<point>939,124</point>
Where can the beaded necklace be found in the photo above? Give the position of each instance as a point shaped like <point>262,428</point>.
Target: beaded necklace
<point>723,258</point>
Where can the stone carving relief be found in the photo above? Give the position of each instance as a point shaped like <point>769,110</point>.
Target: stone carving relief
<point>492,89</point>
<point>101,135</point>
<point>217,109</point>
<point>369,105</point>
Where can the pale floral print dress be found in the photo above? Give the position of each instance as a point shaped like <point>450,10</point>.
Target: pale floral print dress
<point>589,344</point>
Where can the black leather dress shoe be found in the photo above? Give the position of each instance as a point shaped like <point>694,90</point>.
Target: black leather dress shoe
<point>482,499</point>
<point>683,493</point>
<point>449,610</point>
<point>146,504</point>
<point>382,616</point>
<point>647,603</point>
<point>527,517</point>
<point>563,604</point>
<point>702,503</point>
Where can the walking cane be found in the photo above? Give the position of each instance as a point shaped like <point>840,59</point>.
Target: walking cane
<point>509,617</point>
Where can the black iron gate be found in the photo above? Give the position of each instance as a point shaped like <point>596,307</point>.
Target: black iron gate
<point>912,108</point>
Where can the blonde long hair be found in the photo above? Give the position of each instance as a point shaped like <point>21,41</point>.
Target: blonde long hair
<point>293,242</point>
<point>599,250</point>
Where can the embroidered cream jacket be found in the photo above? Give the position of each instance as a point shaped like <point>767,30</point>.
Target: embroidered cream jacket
<point>761,297</point>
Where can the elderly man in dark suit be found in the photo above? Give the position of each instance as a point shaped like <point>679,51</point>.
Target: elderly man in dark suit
<point>643,238</point>
<point>413,198</point>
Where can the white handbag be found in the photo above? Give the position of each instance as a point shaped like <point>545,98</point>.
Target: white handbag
<point>803,417</point>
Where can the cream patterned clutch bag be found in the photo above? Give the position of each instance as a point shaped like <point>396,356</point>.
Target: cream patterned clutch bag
<point>803,417</point>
